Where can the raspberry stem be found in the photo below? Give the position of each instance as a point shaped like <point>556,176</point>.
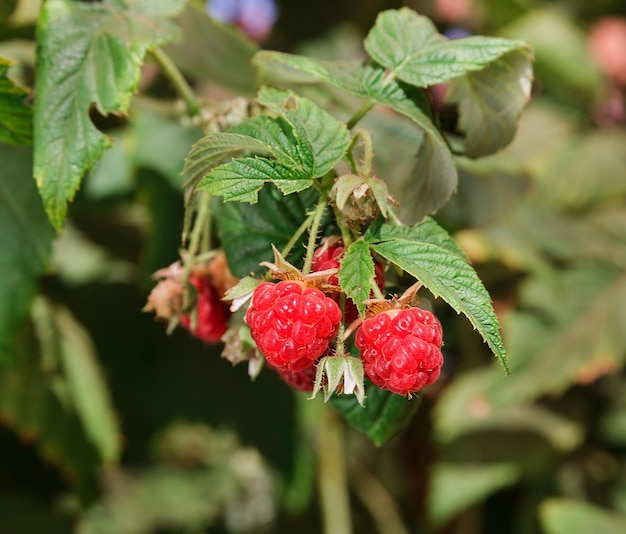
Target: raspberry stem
<point>178,81</point>
<point>200,226</point>
<point>315,226</point>
<point>332,474</point>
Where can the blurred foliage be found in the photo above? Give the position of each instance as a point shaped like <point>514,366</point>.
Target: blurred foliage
<point>87,380</point>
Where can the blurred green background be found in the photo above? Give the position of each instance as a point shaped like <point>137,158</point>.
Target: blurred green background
<point>204,449</point>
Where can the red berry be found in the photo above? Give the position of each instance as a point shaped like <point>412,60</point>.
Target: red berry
<point>292,323</point>
<point>212,314</point>
<point>302,380</point>
<point>401,349</point>
<point>328,258</point>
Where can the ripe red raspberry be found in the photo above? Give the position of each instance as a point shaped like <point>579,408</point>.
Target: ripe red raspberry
<point>211,313</point>
<point>302,380</point>
<point>292,323</point>
<point>401,349</point>
<point>327,257</point>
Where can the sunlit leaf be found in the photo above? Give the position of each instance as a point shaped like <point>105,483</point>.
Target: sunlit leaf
<point>434,178</point>
<point>409,46</point>
<point>90,55</point>
<point>427,252</point>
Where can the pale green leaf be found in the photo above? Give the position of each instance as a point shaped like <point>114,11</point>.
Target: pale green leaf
<point>325,138</point>
<point>25,241</point>
<point>428,253</point>
<point>356,273</point>
<point>90,55</point>
<point>455,487</point>
<point>16,116</point>
<point>409,46</point>
<point>566,516</point>
<point>242,178</point>
<point>434,177</point>
<point>491,100</point>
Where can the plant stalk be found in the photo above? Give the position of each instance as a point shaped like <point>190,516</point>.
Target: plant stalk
<point>359,114</point>
<point>315,226</point>
<point>332,477</point>
<point>178,81</point>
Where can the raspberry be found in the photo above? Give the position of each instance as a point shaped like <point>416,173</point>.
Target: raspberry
<point>292,323</point>
<point>302,380</point>
<point>327,257</point>
<point>211,313</point>
<point>401,349</point>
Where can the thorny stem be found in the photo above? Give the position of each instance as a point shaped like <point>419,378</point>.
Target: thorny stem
<point>376,290</point>
<point>346,236</point>
<point>315,226</point>
<point>394,218</point>
<point>178,81</point>
<point>359,114</point>
<point>332,477</point>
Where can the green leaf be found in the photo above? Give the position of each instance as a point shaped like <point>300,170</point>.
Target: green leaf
<point>491,100</point>
<point>16,116</point>
<point>409,45</point>
<point>434,177</point>
<point>247,232</point>
<point>325,138</point>
<point>427,252</point>
<point>25,240</point>
<point>90,55</point>
<point>455,487</point>
<point>213,148</point>
<point>564,516</point>
<point>356,273</point>
<point>214,51</point>
<point>242,178</point>
<point>383,416</point>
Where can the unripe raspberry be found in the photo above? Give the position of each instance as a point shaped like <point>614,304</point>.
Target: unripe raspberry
<point>401,349</point>
<point>212,314</point>
<point>327,257</point>
<point>292,323</point>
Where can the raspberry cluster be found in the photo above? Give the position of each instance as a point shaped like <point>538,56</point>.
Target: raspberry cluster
<point>211,321</point>
<point>401,349</point>
<point>292,323</point>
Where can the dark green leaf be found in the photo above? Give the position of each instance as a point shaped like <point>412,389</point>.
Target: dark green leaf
<point>409,45</point>
<point>213,51</point>
<point>90,55</point>
<point>16,116</point>
<point>428,253</point>
<point>247,232</point>
<point>316,131</point>
<point>383,416</point>
<point>25,237</point>
<point>356,274</point>
<point>434,176</point>
<point>491,100</point>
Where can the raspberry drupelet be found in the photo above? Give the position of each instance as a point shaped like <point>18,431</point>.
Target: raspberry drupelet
<point>292,323</point>
<point>401,349</point>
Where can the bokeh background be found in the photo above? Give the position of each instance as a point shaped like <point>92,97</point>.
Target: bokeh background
<point>205,449</point>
